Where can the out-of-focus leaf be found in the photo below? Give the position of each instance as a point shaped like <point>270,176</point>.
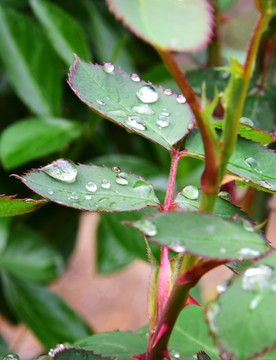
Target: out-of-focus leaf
<point>28,255</point>
<point>249,161</point>
<point>44,313</point>
<point>3,347</point>
<point>93,188</point>
<point>250,133</point>
<point>65,34</point>
<point>146,18</point>
<point>252,299</point>
<point>223,207</point>
<point>33,138</point>
<point>133,104</point>
<point>257,108</point>
<point>9,206</point>
<point>119,344</point>
<point>79,354</point>
<point>31,65</point>
<point>204,235</point>
<point>190,335</point>
<point>224,5</point>
<point>4,232</point>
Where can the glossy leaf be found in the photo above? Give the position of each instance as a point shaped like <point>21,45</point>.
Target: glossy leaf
<point>119,344</point>
<point>29,256</point>
<point>10,206</point>
<point>146,18</point>
<point>250,133</point>
<point>249,161</point>
<point>201,234</point>
<point>33,138</point>
<point>95,189</point>
<point>34,76</point>
<point>31,303</point>
<point>65,34</point>
<point>190,335</point>
<point>223,208</point>
<point>78,354</point>
<point>252,299</point>
<point>258,109</point>
<point>159,117</point>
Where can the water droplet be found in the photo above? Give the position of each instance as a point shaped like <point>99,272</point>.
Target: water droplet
<point>73,196</point>
<point>90,186</point>
<point>147,94</point>
<point>224,74</point>
<point>165,112</point>
<point>190,192</point>
<point>142,188</point>
<point>212,314</point>
<point>63,170</point>
<point>116,169</point>
<point>121,179</point>
<point>255,302</point>
<point>248,226</point>
<point>257,278</point>
<point>108,67</point>
<point>143,109</point>
<point>147,226</point>
<point>50,191</point>
<point>163,121</point>
<point>100,102</point>
<point>181,99</point>
<point>88,197</point>
<point>246,121</point>
<point>221,288</point>
<point>252,163</point>
<point>52,352</point>
<point>265,184</point>
<point>136,122</point>
<point>11,356</point>
<point>224,195</point>
<point>135,77</point>
<point>168,92</point>
<point>222,250</point>
<point>119,113</point>
<point>175,354</point>
<point>177,247</point>
<point>105,184</point>
<point>248,252</point>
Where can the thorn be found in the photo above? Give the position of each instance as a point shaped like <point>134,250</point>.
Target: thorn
<point>192,301</point>
<point>139,357</point>
<point>162,331</point>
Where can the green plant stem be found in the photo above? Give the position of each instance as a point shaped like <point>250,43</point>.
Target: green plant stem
<point>237,94</point>
<point>214,47</point>
<point>210,177</point>
<point>175,304</point>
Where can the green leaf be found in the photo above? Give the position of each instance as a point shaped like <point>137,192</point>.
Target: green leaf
<point>29,256</point>
<point>203,356</point>
<point>34,76</point>
<point>33,138</point>
<point>226,4</point>
<point>249,161</point>
<point>146,18</point>
<point>190,335</point>
<point>115,250</point>
<point>3,347</point>
<point>95,189</point>
<point>204,235</point>
<point>78,354</point>
<point>252,299</point>
<point>213,79</point>
<point>112,93</point>
<point>44,313</point>
<point>250,133</point>
<point>4,232</point>
<point>223,208</point>
<point>258,109</point>
<point>119,344</point>
<point>9,206</point>
<point>65,34</point>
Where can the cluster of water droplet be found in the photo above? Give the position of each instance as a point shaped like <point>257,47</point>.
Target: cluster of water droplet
<point>52,352</point>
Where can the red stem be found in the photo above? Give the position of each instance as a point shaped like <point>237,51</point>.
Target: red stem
<point>175,155</point>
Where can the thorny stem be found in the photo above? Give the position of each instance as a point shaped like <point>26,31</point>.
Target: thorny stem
<point>175,156</point>
<point>214,47</point>
<point>210,178</point>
